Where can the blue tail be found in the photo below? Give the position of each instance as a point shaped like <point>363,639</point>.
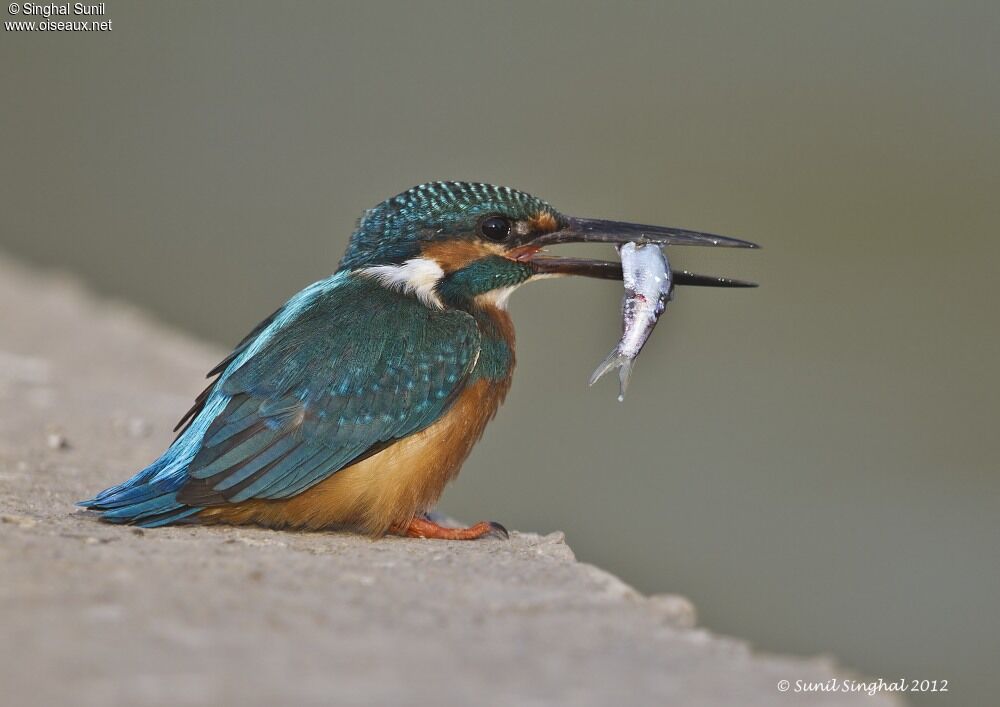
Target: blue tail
<point>148,499</point>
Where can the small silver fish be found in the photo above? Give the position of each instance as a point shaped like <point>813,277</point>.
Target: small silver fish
<point>648,284</point>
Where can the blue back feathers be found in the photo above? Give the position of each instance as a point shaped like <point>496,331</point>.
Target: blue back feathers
<point>343,370</point>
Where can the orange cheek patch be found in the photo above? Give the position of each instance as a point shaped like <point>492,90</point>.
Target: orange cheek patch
<point>544,221</point>
<point>455,255</point>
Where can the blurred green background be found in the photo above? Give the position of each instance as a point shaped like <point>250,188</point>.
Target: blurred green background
<point>814,462</point>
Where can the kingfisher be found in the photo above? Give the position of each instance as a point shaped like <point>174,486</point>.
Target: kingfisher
<point>358,400</point>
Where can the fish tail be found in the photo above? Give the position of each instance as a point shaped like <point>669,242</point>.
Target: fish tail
<point>615,359</point>
<point>624,374</point>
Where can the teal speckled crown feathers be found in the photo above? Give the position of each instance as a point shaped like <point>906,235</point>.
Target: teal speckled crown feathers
<point>392,231</point>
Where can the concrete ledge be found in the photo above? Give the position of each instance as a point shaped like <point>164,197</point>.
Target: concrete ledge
<point>92,614</point>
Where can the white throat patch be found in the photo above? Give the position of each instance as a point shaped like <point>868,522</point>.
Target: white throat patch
<point>497,298</point>
<point>501,296</point>
<point>418,276</point>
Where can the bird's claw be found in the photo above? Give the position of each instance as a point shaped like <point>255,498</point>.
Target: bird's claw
<point>498,531</point>
<point>422,527</point>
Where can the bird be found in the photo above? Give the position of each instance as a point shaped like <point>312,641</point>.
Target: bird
<point>357,401</point>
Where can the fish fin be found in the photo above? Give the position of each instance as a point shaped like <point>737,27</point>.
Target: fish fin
<point>615,359</point>
<point>624,374</point>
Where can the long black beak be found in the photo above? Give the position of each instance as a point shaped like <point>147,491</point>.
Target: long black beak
<point>593,230</point>
<point>607,270</point>
<point>578,230</point>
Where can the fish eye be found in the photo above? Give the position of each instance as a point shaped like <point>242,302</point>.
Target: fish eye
<point>495,228</point>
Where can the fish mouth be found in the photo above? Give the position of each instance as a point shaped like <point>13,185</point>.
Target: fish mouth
<point>583,230</point>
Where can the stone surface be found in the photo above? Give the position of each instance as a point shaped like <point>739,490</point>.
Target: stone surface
<point>93,614</point>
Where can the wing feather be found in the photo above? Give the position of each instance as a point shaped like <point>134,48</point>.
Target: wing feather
<point>356,370</point>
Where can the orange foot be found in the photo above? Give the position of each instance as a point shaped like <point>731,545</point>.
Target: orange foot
<point>424,528</point>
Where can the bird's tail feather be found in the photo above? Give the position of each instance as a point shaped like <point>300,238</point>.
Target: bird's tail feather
<point>148,499</point>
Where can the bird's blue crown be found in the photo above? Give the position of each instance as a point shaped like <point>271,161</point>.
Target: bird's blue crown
<point>394,230</point>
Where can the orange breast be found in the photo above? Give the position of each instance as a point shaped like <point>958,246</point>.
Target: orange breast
<point>389,487</point>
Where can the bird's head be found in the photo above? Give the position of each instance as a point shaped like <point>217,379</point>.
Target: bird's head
<point>454,242</point>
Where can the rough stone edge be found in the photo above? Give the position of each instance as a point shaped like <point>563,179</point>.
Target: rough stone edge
<point>673,610</point>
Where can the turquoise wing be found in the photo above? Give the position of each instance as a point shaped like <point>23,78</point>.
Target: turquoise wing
<point>357,369</point>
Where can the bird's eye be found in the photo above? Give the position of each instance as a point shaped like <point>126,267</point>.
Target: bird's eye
<point>495,228</point>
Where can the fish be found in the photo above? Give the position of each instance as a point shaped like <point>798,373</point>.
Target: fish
<point>648,284</point>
